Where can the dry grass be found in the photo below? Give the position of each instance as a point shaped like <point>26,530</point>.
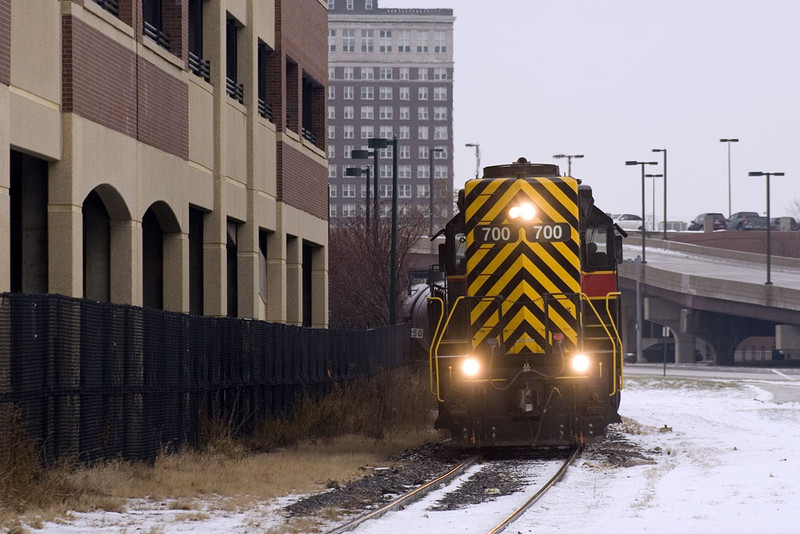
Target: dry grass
<point>332,439</point>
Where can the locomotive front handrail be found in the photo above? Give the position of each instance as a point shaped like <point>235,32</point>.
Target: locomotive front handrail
<point>585,297</point>
<point>431,348</point>
<point>613,296</point>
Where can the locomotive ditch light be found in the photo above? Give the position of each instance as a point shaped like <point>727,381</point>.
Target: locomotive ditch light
<point>524,211</point>
<point>580,363</point>
<point>470,367</point>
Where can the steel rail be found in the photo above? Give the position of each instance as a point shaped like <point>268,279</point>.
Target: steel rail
<point>408,498</point>
<point>536,496</point>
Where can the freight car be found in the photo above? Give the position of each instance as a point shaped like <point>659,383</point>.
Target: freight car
<point>524,345</point>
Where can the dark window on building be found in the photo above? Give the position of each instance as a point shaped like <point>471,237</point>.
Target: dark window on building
<point>196,281</point>
<point>308,255</point>
<point>233,88</point>
<point>197,65</point>
<point>112,6</point>
<point>263,237</point>
<point>152,261</point>
<point>28,224</point>
<point>313,97</point>
<point>233,269</point>
<point>264,106</point>
<point>153,25</point>
<point>96,249</point>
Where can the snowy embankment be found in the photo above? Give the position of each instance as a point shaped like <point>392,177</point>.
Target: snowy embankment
<point>727,462</point>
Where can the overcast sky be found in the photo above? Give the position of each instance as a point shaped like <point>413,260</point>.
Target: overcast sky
<point>613,79</point>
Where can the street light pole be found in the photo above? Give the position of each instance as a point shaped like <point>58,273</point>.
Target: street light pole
<point>366,154</point>
<point>769,221</point>
<point>664,150</point>
<point>430,180</point>
<point>569,160</point>
<point>644,229</point>
<point>654,176</point>
<point>729,141</point>
<point>477,148</point>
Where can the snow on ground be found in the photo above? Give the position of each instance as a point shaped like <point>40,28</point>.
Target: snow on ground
<point>730,464</point>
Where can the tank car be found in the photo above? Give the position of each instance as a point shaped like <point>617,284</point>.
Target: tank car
<point>524,344</point>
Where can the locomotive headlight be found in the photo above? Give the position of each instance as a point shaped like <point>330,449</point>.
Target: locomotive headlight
<point>470,367</point>
<point>580,363</point>
<point>524,211</point>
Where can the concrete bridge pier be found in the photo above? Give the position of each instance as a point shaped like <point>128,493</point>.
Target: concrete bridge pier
<point>725,332</point>
<point>672,316</point>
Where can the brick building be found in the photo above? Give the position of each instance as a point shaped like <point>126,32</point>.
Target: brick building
<point>166,153</point>
<point>390,73</point>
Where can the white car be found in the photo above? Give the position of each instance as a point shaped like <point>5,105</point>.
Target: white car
<point>629,221</point>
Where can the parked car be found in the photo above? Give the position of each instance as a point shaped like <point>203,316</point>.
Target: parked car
<point>747,220</point>
<point>784,224</point>
<point>699,222</point>
<point>629,221</point>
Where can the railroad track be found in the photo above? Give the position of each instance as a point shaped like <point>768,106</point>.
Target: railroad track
<point>461,473</point>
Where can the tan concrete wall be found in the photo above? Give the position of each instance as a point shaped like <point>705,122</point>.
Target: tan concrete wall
<point>5,204</point>
<point>36,50</point>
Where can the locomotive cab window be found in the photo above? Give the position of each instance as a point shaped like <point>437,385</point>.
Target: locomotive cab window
<point>597,254</point>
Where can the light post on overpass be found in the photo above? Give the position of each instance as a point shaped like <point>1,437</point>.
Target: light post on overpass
<point>729,141</point>
<point>569,160</point>
<point>654,176</point>
<point>644,230</point>
<point>477,148</point>
<point>664,150</point>
<point>769,221</point>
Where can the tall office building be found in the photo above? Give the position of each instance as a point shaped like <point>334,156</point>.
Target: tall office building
<point>390,73</point>
<point>166,153</point>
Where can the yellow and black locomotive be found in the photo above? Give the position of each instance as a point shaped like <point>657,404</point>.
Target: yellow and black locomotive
<point>525,346</point>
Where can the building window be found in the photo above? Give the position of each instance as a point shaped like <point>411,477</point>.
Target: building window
<point>348,191</point>
<point>331,112</point>
<point>440,133</point>
<point>386,41</point>
<point>405,93</point>
<point>439,74</point>
<point>423,171</point>
<point>234,89</point>
<point>367,93</point>
<point>349,5</point>
<point>366,41</point>
<point>422,93</point>
<point>385,93</point>
<point>404,171</point>
<point>422,42</point>
<point>348,112</point>
<point>331,170</point>
<point>404,152</point>
<point>330,4</point>
<point>405,73</point>
<point>367,112</point>
<point>348,132</point>
<point>422,132</point>
<point>386,189</point>
<point>363,193</point>
<point>405,132</point>
<point>440,93</point>
<point>367,4</point>
<point>197,65</point>
<point>331,40</point>
<point>386,113</point>
<point>404,191</point>
<point>367,132</point>
<point>331,131</point>
<point>440,153</point>
<point>367,73</point>
<point>348,210</point>
<point>422,113</point>
<point>331,207</point>
<point>347,73</point>
<point>349,92</point>
<point>423,191</point>
<point>440,171</point>
<point>331,73</point>
<point>331,151</point>
<point>331,92</point>
<point>264,106</point>
<point>385,73</point>
<point>331,191</point>
<point>422,74</point>
<point>423,152</point>
<point>348,40</point>
<point>439,43</point>
<point>153,22</point>
<point>405,114</point>
<point>348,149</point>
<point>404,41</point>
<point>439,113</point>
<point>387,132</point>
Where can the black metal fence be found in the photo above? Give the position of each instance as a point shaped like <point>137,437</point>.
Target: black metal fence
<point>92,380</point>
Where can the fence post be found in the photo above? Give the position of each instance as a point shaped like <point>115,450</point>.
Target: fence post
<point>65,335</point>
